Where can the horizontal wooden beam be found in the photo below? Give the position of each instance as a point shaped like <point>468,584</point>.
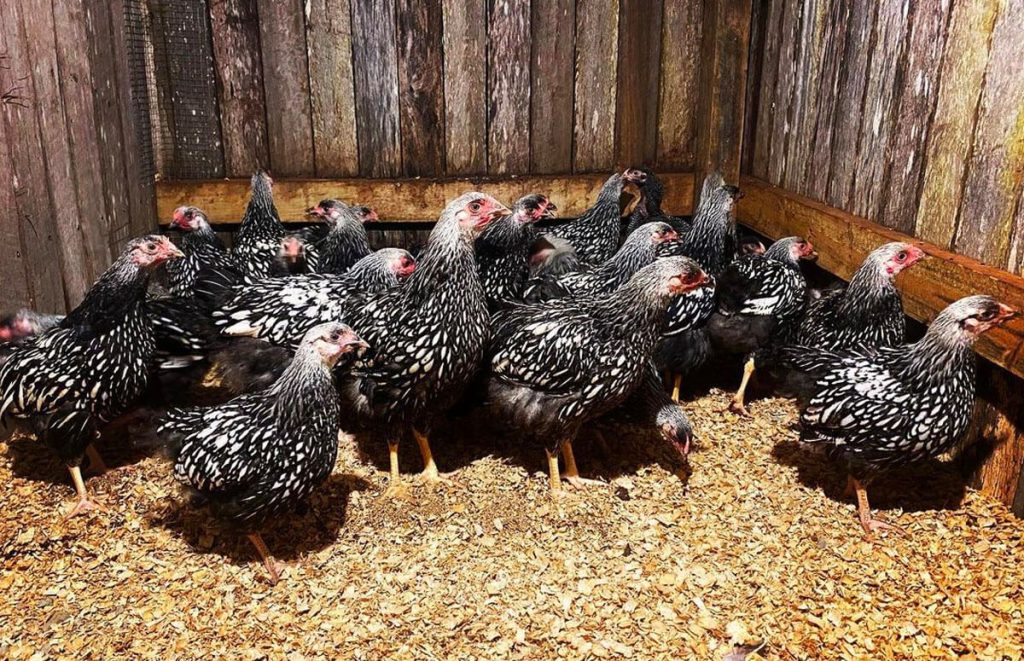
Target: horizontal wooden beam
<point>398,200</point>
<point>843,240</point>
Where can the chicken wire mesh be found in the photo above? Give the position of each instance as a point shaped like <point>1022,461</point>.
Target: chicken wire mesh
<point>174,88</point>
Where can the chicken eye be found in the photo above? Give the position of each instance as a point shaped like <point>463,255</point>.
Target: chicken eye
<point>474,207</point>
<point>987,315</point>
<point>901,256</point>
<point>150,247</point>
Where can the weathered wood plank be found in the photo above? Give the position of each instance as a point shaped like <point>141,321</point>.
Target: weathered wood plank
<point>375,64</point>
<point>812,40</point>
<point>994,445</point>
<point>725,47</point>
<point>816,175</point>
<point>235,30</point>
<point>597,39</point>
<point>764,135</point>
<point>508,86</point>
<point>952,129</point>
<point>465,86</point>
<point>331,87</point>
<point>636,136</point>
<point>397,200</point>
<point>786,87</point>
<point>286,85</point>
<point>420,87</point>
<point>552,29</point>
<point>918,85</point>
<point>677,89</point>
<point>850,103</point>
<point>758,26</point>
<point>1015,262</point>
<point>995,173</point>
<point>880,99</point>
<point>843,239</point>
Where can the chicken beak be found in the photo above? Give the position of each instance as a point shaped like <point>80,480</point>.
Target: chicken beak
<point>171,251</point>
<point>315,212</point>
<point>371,217</point>
<point>1005,313</point>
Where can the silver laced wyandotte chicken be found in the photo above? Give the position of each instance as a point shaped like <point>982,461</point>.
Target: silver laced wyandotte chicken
<point>70,380</point>
<point>258,242</point>
<point>761,299</point>
<point>201,246</point>
<point>426,337</point>
<point>345,241</point>
<point>595,234</point>
<point>639,250</point>
<point>259,454</point>
<point>648,207</point>
<point>503,249</point>
<point>282,310</point>
<point>650,406</point>
<point>866,314</point>
<point>875,411</point>
<point>556,365</point>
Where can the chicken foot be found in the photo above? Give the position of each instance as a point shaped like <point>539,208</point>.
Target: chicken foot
<point>430,472</point>
<point>737,404</point>
<point>396,487</point>
<point>268,560</point>
<point>867,522</point>
<point>84,504</point>
<point>572,474</point>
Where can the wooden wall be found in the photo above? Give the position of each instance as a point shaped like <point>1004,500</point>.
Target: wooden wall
<point>70,190</point>
<point>908,113</point>
<point>403,88</point>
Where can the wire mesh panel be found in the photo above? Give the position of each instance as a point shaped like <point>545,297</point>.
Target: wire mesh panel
<point>174,87</point>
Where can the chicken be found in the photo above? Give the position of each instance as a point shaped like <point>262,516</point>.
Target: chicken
<point>595,234</point>
<point>427,337</point>
<point>648,207</point>
<point>201,248</point>
<point>761,299</point>
<point>282,310</point>
<point>19,327</point>
<point>650,405</point>
<point>70,380</point>
<point>551,258</point>
<point>639,250</point>
<point>258,455</point>
<point>345,243</point>
<point>503,249</point>
<point>556,365</point>
<point>258,241</point>
<point>880,409</point>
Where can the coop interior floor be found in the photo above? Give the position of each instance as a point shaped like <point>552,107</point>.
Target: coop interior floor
<point>754,546</point>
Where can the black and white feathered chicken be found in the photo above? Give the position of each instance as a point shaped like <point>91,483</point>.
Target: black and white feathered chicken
<point>201,246</point>
<point>345,241</point>
<point>70,380</point>
<point>258,455</point>
<point>503,249</point>
<point>282,310</point>
<point>761,299</point>
<point>639,250</point>
<point>556,365</point>
<point>595,234</point>
<point>649,405</point>
<point>427,337</point>
<point>258,242</point>
<point>648,207</point>
<point>17,328</point>
<point>877,410</point>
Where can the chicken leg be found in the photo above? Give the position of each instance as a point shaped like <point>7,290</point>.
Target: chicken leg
<point>396,488</point>
<point>867,522</point>
<point>554,480</point>
<point>268,560</point>
<point>737,404</point>
<point>84,504</point>
<point>677,382</point>
<point>572,474</point>
<point>430,472</point>
<point>96,463</point>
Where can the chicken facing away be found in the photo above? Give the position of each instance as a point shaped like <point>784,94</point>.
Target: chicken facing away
<point>70,380</point>
<point>595,234</point>
<point>761,299</point>
<point>503,249</point>
<point>257,455</point>
<point>426,338</point>
<point>558,364</point>
<point>258,242</point>
<point>880,409</point>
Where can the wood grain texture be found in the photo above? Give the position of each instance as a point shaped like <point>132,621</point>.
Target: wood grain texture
<point>235,30</point>
<point>806,94</point>
<point>375,64</point>
<point>819,162</point>
<point>508,86</point>
<point>677,88</point>
<point>769,65</point>
<point>850,103</point>
<point>993,455</point>
<point>952,130</point>
<point>331,87</point>
<point>420,87</point>
<point>286,85</point>
<point>553,28</point>
<point>597,39</point>
<point>995,173</point>
<point>843,240</point>
<point>880,99</point>
<point>465,86</point>
<point>397,200</point>
<point>786,87</point>
<point>758,26</point>
<point>725,48</point>
<point>636,137</point>
<point>918,89</point>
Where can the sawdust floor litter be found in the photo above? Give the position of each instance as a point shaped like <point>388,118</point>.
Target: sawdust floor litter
<point>752,548</point>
